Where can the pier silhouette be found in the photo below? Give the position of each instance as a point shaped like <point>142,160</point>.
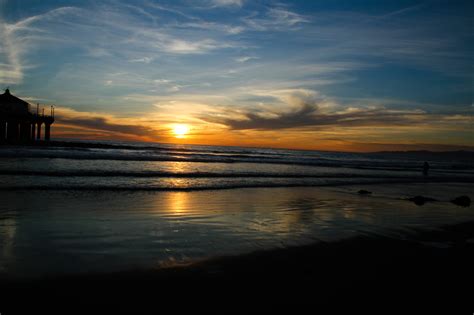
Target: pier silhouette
<point>18,124</point>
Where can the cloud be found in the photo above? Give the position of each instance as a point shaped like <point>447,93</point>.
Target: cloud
<point>402,11</point>
<point>127,36</point>
<point>281,16</point>
<point>276,19</point>
<point>22,37</point>
<point>226,3</point>
<point>142,60</point>
<point>245,59</point>
<point>213,26</point>
<point>188,47</point>
<point>308,110</point>
<point>308,115</point>
<point>11,68</point>
<point>161,81</point>
<point>105,123</point>
<point>100,123</point>
<point>168,9</point>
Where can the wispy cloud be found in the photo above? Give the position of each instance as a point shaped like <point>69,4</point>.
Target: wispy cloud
<point>401,11</point>
<point>218,27</point>
<point>223,3</point>
<point>188,47</point>
<point>275,19</point>
<point>245,58</point>
<point>281,16</point>
<point>20,37</point>
<point>142,60</point>
<point>86,29</point>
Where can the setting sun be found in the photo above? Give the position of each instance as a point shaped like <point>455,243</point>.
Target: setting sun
<point>180,130</point>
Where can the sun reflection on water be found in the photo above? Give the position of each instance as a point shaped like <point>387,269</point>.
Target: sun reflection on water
<point>178,203</point>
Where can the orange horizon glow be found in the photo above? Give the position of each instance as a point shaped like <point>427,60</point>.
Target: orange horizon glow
<point>324,146</point>
<point>163,128</point>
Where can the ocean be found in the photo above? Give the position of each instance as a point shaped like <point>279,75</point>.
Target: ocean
<point>97,165</point>
<point>93,206</point>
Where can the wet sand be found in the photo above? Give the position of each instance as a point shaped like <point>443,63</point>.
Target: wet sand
<point>58,233</point>
<point>429,270</point>
<point>379,252</point>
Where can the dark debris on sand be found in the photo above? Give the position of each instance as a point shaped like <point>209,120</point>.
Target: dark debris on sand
<point>463,201</point>
<point>421,200</point>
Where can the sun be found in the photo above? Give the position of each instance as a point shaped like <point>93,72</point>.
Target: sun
<point>180,130</point>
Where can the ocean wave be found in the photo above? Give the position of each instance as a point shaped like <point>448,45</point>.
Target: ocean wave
<point>161,174</point>
<point>209,185</point>
<point>193,158</point>
<point>90,146</point>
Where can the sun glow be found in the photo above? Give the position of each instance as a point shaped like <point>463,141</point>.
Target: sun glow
<point>180,130</point>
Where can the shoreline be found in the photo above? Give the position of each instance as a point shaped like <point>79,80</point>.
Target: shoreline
<point>104,188</point>
<point>429,268</point>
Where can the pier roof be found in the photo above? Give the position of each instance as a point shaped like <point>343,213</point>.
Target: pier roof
<point>10,104</point>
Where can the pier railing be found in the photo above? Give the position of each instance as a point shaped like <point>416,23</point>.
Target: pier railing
<point>26,127</point>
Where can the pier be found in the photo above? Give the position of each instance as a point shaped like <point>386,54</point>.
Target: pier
<point>18,124</point>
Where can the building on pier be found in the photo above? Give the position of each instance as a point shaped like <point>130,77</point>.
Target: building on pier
<point>18,124</point>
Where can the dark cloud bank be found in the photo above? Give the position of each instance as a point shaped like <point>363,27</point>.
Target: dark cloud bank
<point>309,115</point>
<point>100,123</point>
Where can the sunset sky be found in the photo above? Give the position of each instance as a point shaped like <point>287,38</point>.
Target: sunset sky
<point>330,75</point>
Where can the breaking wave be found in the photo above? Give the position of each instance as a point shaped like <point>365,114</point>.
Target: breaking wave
<point>138,166</point>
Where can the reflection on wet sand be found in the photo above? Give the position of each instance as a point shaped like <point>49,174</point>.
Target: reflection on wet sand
<point>94,231</point>
<point>177,203</point>
<point>8,230</point>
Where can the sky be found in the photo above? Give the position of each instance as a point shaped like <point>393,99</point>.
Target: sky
<point>327,75</point>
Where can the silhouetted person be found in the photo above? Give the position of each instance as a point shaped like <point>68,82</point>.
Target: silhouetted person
<point>426,168</point>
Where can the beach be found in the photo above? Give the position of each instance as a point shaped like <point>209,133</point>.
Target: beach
<point>63,232</point>
<point>428,271</point>
<point>126,227</point>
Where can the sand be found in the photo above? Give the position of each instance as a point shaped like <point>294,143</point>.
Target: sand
<point>430,270</point>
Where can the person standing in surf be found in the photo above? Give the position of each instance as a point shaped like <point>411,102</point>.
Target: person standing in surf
<point>426,168</point>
